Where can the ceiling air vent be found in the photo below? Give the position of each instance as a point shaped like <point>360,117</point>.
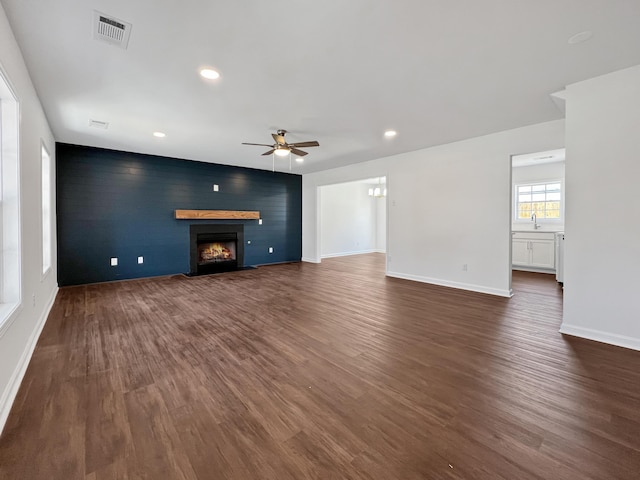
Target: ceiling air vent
<point>111,30</point>
<point>98,124</point>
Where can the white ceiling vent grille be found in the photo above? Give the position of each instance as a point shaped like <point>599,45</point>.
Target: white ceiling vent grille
<point>111,30</point>
<point>98,124</point>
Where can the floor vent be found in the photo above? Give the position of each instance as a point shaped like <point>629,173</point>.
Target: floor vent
<point>111,30</point>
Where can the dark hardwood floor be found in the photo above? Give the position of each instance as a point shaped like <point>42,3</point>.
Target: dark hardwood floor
<point>328,371</point>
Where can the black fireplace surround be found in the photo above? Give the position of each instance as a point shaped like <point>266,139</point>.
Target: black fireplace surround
<point>229,242</point>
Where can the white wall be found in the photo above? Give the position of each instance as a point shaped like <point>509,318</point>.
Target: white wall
<point>602,229</point>
<point>538,173</point>
<point>19,334</point>
<point>348,219</point>
<point>447,206</point>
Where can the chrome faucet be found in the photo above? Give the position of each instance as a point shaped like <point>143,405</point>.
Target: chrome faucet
<point>534,219</point>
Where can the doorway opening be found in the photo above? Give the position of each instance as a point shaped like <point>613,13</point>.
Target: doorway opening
<point>353,218</point>
<point>537,213</point>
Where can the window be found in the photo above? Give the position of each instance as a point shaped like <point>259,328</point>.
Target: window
<point>10,283</point>
<point>543,199</point>
<point>46,211</point>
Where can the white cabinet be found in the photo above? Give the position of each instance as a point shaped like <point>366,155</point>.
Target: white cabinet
<point>520,252</point>
<point>533,250</point>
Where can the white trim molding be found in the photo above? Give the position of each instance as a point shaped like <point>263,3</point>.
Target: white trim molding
<point>9,395</point>
<point>310,260</point>
<point>600,336</point>
<point>458,285</point>
<point>348,254</point>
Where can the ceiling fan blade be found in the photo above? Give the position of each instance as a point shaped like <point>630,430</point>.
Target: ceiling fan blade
<point>270,151</point>
<point>297,152</point>
<point>304,144</point>
<point>259,144</point>
<point>278,138</point>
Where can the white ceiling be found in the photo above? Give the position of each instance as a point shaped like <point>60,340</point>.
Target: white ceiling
<point>340,72</point>
<point>372,181</point>
<point>538,158</point>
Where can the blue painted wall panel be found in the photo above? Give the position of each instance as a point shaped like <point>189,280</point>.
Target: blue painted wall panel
<point>120,204</point>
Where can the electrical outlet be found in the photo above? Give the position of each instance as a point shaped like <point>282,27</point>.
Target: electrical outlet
<point>464,267</point>
<point>114,261</point>
<point>216,187</point>
<point>259,221</point>
<point>270,249</point>
<point>140,260</point>
<point>33,299</point>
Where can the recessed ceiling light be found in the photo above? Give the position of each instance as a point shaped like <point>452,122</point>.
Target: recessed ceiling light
<point>299,159</point>
<point>580,37</point>
<point>390,133</point>
<point>209,74</point>
<point>159,134</point>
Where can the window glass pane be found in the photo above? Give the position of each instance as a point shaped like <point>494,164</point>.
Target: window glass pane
<point>46,211</point>
<point>524,210</point>
<point>538,207</point>
<point>553,196</point>
<point>10,252</point>
<point>543,199</point>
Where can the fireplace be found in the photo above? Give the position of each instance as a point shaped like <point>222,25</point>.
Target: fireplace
<point>216,248</point>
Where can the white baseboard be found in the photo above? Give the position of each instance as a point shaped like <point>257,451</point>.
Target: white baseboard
<point>458,285</point>
<point>343,254</point>
<point>550,271</point>
<point>10,392</point>
<point>310,260</point>
<point>348,254</point>
<point>600,336</point>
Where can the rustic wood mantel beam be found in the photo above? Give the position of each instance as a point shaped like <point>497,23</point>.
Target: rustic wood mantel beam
<point>217,215</point>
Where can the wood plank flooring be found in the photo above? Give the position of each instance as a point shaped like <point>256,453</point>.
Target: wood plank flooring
<point>328,371</point>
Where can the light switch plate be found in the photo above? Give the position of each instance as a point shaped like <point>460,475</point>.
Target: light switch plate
<point>114,261</point>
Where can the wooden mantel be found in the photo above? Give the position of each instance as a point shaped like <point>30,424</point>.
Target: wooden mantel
<point>217,215</point>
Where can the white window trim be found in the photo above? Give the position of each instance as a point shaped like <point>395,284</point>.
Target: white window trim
<point>10,243</point>
<point>46,234</point>
<point>550,221</point>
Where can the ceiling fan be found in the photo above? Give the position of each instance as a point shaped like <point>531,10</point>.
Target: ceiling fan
<point>282,148</point>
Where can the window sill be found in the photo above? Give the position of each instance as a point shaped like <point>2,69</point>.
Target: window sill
<point>45,274</point>
<point>8,313</point>
<point>541,221</point>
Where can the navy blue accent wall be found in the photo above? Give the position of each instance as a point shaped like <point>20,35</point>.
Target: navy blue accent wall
<point>119,204</point>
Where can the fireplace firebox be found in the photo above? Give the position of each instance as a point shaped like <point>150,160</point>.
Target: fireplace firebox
<point>216,248</point>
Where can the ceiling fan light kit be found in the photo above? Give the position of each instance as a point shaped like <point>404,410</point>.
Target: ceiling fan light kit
<point>281,148</point>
